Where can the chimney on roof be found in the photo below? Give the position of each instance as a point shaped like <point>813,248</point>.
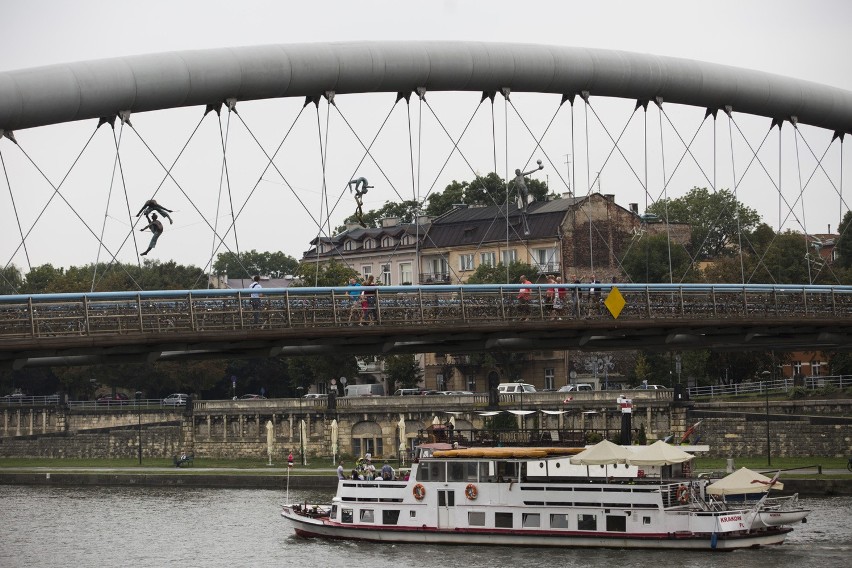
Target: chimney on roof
<point>390,222</point>
<point>609,197</point>
<point>352,226</point>
<point>634,208</point>
<point>459,205</point>
<point>829,228</point>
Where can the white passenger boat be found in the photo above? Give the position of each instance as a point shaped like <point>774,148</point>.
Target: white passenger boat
<point>537,497</point>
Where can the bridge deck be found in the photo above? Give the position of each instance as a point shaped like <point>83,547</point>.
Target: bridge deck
<point>102,327</point>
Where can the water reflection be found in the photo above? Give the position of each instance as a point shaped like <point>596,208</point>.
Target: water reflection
<point>116,526</point>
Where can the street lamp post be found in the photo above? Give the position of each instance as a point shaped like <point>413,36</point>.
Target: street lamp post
<point>768,443</point>
<point>139,415</point>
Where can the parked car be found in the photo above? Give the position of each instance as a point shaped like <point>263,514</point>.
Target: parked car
<point>312,395</point>
<point>113,399</point>
<point>576,388</point>
<point>176,399</point>
<point>509,388</point>
<point>650,387</point>
<point>406,392</point>
<point>252,397</point>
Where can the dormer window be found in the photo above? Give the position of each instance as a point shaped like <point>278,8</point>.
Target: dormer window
<point>387,241</point>
<point>407,240</point>
<point>369,244</point>
<point>349,245</point>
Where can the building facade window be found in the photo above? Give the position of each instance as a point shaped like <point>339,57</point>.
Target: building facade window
<point>545,259</point>
<point>408,240</point>
<point>797,367</point>
<point>439,382</point>
<point>405,274</point>
<point>349,245</point>
<point>366,270</point>
<point>386,274</point>
<point>549,378</point>
<point>466,262</point>
<point>816,368</point>
<point>509,256</point>
<point>388,242</point>
<point>471,383</point>
<point>369,244</point>
<point>487,258</point>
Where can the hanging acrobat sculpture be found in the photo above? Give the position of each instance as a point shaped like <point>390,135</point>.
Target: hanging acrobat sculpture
<point>524,193</point>
<point>361,188</point>
<point>152,205</point>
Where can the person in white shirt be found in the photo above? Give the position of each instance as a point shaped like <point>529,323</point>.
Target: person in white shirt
<point>255,298</point>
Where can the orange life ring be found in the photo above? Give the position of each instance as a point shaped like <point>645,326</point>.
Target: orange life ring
<point>682,494</point>
<point>419,492</point>
<point>471,491</point>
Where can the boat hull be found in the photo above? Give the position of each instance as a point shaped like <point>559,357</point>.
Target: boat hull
<point>324,528</point>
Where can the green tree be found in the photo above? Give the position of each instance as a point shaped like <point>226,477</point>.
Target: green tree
<point>403,371</point>
<point>405,211</point>
<point>648,261</point>
<point>843,248</point>
<point>332,273</point>
<point>248,263</point>
<point>11,280</point>
<point>716,219</point>
<point>485,274</point>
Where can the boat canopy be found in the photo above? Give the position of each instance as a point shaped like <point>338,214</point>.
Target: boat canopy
<point>659,453</point>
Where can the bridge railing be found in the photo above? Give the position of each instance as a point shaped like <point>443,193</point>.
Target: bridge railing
<point>771,387</point>
<point>159,312</point>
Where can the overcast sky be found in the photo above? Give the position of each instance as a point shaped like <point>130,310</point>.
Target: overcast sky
<point>807,40</point>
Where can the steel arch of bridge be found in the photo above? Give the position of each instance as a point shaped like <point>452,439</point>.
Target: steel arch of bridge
<point>110,327</point>
<point>110,87</point>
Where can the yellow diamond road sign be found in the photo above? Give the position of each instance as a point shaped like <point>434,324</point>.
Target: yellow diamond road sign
<point>614,302</point>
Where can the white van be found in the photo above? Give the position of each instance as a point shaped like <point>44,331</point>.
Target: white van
<point>511,388</point>
<point>407,392</point>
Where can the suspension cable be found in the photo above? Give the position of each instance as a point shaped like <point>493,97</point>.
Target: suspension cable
<point>736,185</point>
<point>54,194</point>
<point>804,219</point>
<point>17,217</point>
<point>665,191</point>
<point>224,141</point>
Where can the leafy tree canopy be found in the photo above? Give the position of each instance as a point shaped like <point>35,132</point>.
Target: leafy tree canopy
<point>247,264</point>
<point>715,217</point>
<point>496,274</point>
<point>653,259</point>
<point>331,274</point>
<point>403,371</point>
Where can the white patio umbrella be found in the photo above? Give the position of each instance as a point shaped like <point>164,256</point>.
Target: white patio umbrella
<point>403,443</point>
<point>742,481</point>
<point>602,453</point>
<point>334,447</point>
<point>436,421</point>
<point>270,439</point>
<point>658,453</point>
<point>302,429</point>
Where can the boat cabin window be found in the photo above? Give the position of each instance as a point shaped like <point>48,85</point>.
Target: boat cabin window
<point>559,521</point>
<point>531,520</point>
<point>432,471</point>
<point>390,517</point>
<point>446,498</point>
<point>346,515</point>
<point>587,522</point>
<point>507,471</point>
<point>616,523</point>
<point>476,518</point>
<point>333,514</point>
<point>464,471</point>
<point>503,520</point>
<point>367,516</point>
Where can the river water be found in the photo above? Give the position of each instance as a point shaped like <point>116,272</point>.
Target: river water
<point>158,527</point>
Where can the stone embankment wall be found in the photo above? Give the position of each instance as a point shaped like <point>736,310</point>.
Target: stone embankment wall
<point>226,429</point>
<point>795,428</point>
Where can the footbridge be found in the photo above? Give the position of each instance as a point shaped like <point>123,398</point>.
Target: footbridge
<point>83,329</point>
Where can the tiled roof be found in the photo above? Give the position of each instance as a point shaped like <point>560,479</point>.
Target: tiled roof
<point>475,225</point>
